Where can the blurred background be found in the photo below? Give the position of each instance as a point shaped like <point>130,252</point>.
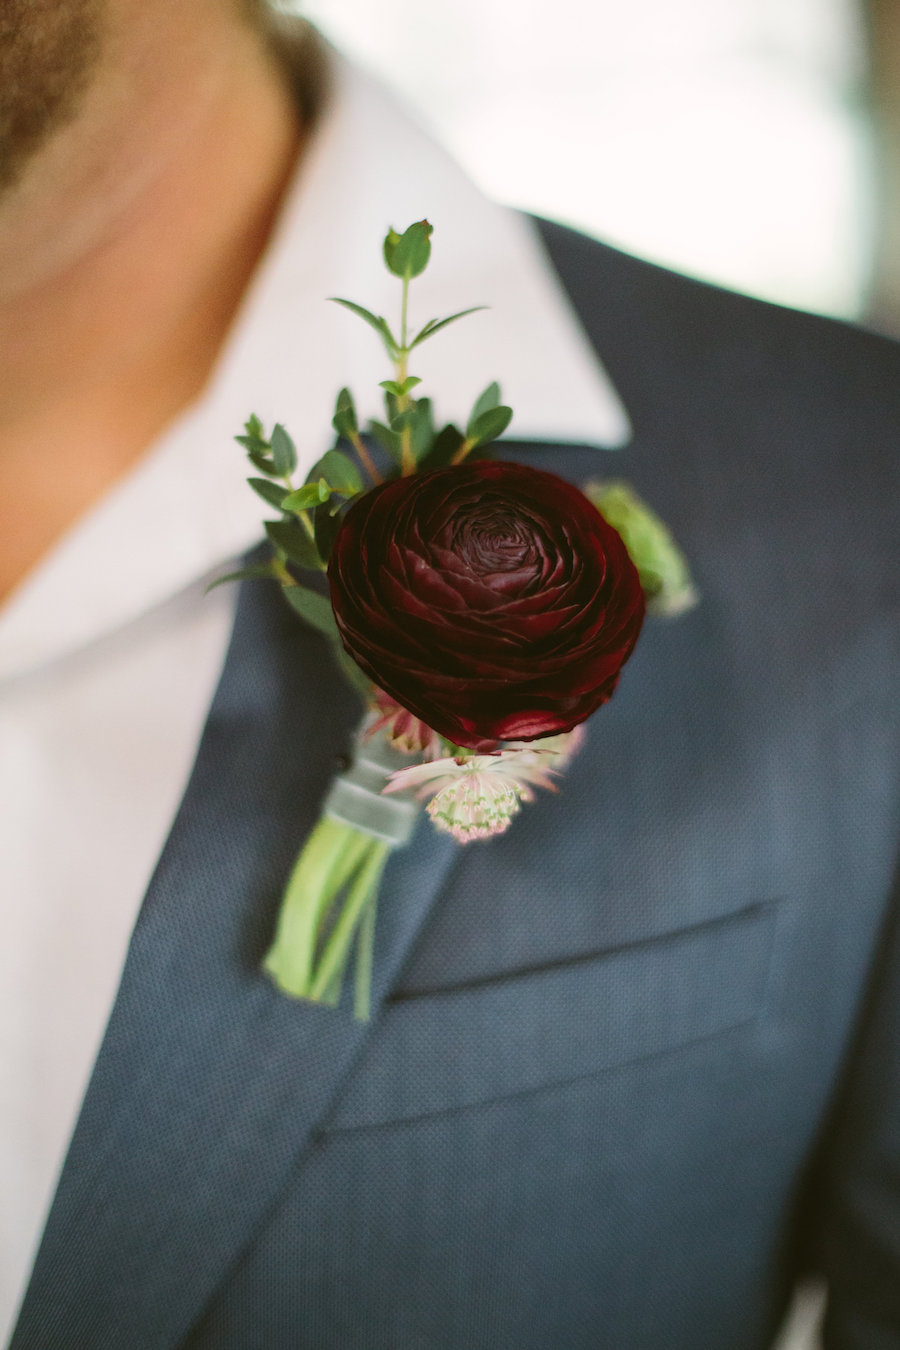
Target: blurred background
<point>748,142</point>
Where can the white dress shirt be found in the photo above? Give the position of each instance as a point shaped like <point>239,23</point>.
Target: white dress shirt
<point>109,650</point>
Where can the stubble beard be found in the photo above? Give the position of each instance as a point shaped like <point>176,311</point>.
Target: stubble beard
<point>48,52</point>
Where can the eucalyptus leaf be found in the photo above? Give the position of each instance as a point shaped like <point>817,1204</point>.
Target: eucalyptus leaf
<point>314,608</point>
<point>375,321</point>
<point>386,438</point>
<point>489,425</point>
<point>434,325</point>
<point>284,454</point>
<point>339,471</point>
<point>256,570</point>
<point>407,254</point>
<point>423,428</point>
<point>254,427</point>
<point>271,493</point>
<point>418,420</point>
<point>264,465</point>
<point>490,398</point>
<point>293,539</point>
<point>255,443</point>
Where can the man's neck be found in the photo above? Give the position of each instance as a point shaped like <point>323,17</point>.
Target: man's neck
<point>123,256</point>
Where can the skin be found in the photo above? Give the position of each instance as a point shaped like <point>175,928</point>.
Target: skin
<point>144,149</point>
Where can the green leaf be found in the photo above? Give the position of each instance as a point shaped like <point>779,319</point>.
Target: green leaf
<point>284,455</point>
<point>490,398</point>
<point>398,390</point>
<point>326,528</point>
<point>310,495</point>
<point>264,465</point>
<point>314,608</point>
<point>407,254</point>
<point>444,447</point>
<point>401,420</point>
<point>344,420</point>
<point>434,325</point>
<point>391,240</point>
<point>375,321</point>
<point>245,574</point>
<point>418,418</point>
<point>254,443</point>
<point>386,438</point>
<point>339,471</point>
<point>254,427</point>
<point>489,425</point>
<point>423,428</point>
<point>271,493</point>
<point>293,539</point>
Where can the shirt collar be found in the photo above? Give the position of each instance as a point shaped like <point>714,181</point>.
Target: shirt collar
<point>185,508</point>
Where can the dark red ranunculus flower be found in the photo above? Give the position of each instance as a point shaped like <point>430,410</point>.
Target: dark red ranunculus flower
<point>491,600</point>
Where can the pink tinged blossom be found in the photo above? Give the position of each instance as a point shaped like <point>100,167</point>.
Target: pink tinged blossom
<point>476,796</point>
<point>404,731</point>
<point>563,747</point>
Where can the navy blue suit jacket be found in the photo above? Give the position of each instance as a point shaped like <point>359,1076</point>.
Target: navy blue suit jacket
<point>632,1066</point>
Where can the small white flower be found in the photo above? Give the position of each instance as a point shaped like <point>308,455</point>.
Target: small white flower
<point>476,796</point>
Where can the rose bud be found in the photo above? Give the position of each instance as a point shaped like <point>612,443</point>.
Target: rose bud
<point>491,600</point>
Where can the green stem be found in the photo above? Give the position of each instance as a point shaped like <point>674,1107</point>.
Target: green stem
<point>403,317</point>
<point>407,462</point>
<point>332,995</point>
<point>280,570</point>
<point>365,458</point>
<point>365,947</point>
<point>362,889</point>
<point>462,452</point>
<point>332,853</point>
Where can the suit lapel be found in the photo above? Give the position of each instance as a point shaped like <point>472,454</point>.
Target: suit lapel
<point>209,1083</point>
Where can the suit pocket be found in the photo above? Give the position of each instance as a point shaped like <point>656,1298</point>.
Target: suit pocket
<point>442,1051</point>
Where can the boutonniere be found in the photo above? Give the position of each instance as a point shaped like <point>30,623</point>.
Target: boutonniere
<point>483,609</point>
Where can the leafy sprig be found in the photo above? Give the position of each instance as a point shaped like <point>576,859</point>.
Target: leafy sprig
<point>309,512</point>
<point>408,434</point>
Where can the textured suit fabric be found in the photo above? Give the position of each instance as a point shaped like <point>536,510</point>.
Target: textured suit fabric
<point>634,1063</point>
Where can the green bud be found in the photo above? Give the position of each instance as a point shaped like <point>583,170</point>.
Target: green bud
<point>487,426</point>
<point>407,254</point>
<point>661,565</point>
